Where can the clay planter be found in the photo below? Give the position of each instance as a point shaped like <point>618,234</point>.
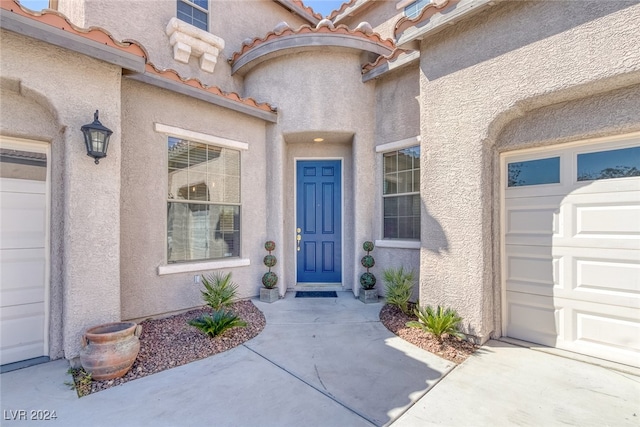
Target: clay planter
<point>368,296</point>
<point>269,295</point>
<point>109,350</point>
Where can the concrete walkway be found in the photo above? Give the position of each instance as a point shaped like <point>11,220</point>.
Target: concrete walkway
<point>330,362</point>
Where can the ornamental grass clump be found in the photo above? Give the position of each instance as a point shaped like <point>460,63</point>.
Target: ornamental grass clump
<point>398,287</point>
<point>440,322</point>
<point>219,291</point>
<point>218,322</point>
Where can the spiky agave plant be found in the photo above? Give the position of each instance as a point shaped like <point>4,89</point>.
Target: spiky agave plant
<point>440,322</point>
<point>398,287</point>
<point>219,290</point>
<point>218,322</point>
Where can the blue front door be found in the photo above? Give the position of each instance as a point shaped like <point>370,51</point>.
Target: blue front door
<point>319,221</point>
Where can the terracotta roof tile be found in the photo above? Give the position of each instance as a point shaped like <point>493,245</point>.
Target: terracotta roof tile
<point>307,29</point>
<point>343,7</point>
<point>308,9</point>
<point>58,20</point>
<point>427,12</point>
<point>383,59</point>
<point>100,35</point>
<point>215,90</point>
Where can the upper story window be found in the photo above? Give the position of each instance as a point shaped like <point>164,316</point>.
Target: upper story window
<point>413,10</point>
<point>203,221</point>
<point>401,194</point>
<point>194,12</point>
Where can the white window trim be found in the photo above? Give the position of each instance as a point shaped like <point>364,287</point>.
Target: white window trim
<point>398,145</point>
<point>187,267</point>
<point>385,148</point>
<point>398,244</point>
<point>199,137</point>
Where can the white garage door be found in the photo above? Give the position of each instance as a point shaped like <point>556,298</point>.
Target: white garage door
<point>571,248</point>
<point>23,207</point>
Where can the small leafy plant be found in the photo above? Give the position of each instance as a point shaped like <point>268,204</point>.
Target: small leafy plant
<point>219,291</point>
<point>81,381</point>
<point>439,322</point>
<point>399,287</point>
<point>217,322</point>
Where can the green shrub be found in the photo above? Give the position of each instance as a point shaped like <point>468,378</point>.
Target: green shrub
<point>399,287</point>
<point>439,322</point>
<point>218,322</point>
<point>219,291</point>
<point>368,281</point>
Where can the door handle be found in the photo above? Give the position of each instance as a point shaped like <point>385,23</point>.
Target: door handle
<point>298,238</point>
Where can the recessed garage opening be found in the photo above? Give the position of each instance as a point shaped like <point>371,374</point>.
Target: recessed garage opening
<point>571,247</point>
<point>23,251</point>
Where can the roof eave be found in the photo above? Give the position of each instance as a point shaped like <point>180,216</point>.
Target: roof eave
<point>390,66</point>
<point>38,30</point>
<point>460,11</point>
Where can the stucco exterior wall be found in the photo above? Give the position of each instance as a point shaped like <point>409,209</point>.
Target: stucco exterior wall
<point>144,202</point>
<point>320,93</point>
<point>85,248</point>
<point>397,105</point>
<point>476,77</point>
<point>232,21</point>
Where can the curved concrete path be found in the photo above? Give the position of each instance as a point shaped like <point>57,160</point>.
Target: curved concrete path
<point>330,362</point>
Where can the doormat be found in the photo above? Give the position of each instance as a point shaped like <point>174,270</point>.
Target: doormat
<point>316,294</point>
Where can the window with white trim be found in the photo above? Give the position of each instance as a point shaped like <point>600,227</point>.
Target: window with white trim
<point>413,10</point>
<point>401,194</point>
<point>194,12</point>
<point>203,207</point>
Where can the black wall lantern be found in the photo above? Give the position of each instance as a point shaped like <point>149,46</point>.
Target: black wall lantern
<point>96,138</point>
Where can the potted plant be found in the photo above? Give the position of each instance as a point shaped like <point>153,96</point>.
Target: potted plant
<point>368,294</point>
<point>269,292</point>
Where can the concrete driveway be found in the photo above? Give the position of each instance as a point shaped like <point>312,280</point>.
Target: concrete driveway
<point>330,362</point>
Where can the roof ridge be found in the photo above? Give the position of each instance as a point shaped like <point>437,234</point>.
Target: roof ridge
<point>288,31</point>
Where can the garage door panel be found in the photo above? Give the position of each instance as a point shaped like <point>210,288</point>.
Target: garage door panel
<point>609,278</point>
<point>533,318</point>
<point>23,220</point>
<point>532,269</point>
<point>22,273</point>
<point>22,329</point>
<point>533,222</point>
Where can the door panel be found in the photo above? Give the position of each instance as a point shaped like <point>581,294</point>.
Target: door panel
<point>319,218</point>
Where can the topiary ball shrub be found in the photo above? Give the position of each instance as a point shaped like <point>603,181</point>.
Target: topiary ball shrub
<point>270,246</point>
<point>270,260</point>
<point>270,280</point>
<point>367,281</point>
<point>367,246</point>
<point>367,261</point>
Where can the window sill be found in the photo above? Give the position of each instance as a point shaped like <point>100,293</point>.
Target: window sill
<point>398,244</point>
<point>201,266</point>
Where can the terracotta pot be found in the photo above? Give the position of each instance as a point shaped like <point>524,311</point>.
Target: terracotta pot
<point>109,350</point>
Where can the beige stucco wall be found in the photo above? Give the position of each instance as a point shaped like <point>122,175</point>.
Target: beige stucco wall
<point>319,92</point>
<point>85,243</point>
<point>144,200</point>
<point>478,76</point>
<point>230,20</point>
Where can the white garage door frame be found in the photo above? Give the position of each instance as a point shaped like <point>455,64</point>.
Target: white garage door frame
<point>42,147</point>
<point>568,172</point>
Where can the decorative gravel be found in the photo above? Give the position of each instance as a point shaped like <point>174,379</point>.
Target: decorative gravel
<point>171,341</point>
<point>453,349</point>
